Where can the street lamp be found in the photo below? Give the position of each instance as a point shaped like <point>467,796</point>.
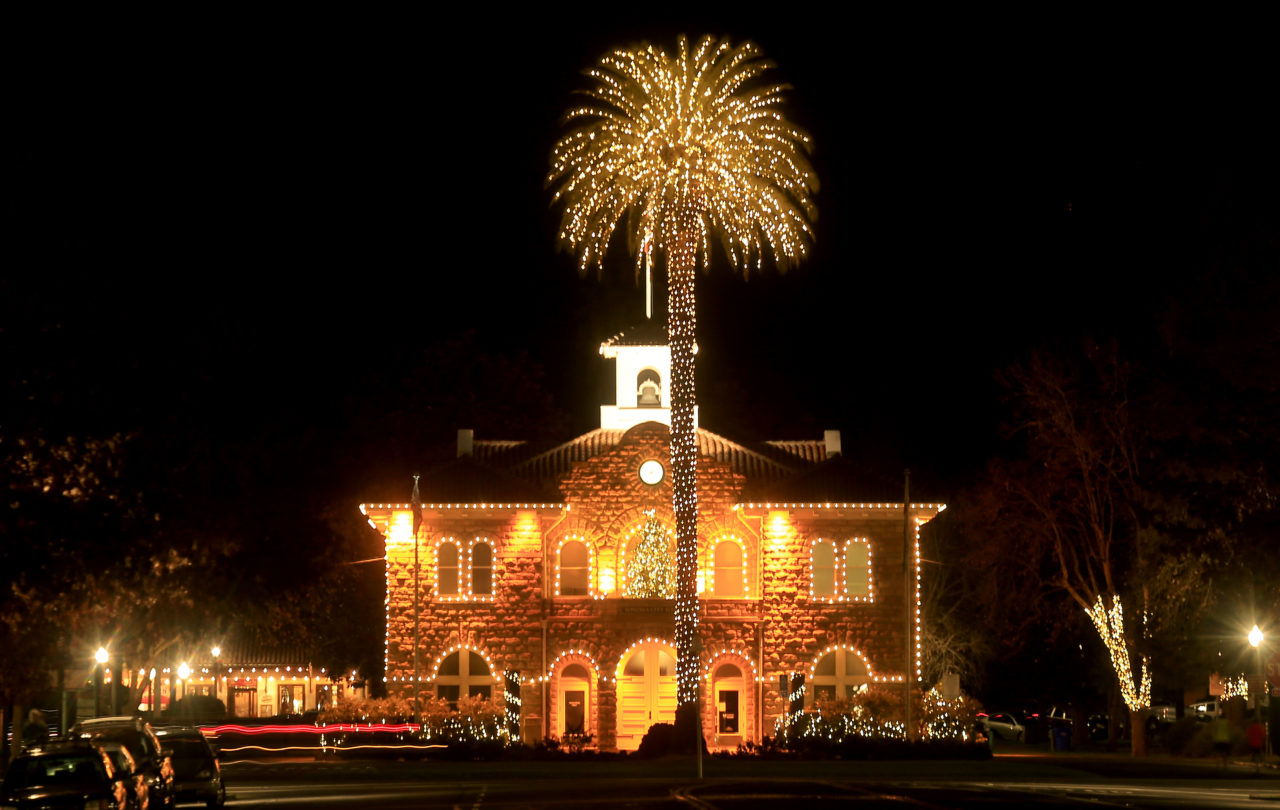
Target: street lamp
<point>1255,640</point>
<point>184,672</point>
<point>100,657</point>
<point>217,651</point>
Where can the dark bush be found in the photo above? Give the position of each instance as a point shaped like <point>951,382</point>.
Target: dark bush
<point>658,741</point>
<point>1188,737</point>
<point>196,709</point>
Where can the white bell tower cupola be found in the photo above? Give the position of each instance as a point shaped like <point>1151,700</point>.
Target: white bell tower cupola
<point>643,383</point>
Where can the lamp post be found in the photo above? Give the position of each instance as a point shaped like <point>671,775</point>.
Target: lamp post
<point>216,651</point>
<point>100,657</point>
<point>1255,641</point>
<point>184,672</point>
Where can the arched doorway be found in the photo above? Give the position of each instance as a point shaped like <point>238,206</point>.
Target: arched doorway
<point>731,698</point>
<point>646,691</point>
<point>574,716</point>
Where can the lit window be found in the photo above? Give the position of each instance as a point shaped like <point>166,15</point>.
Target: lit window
<point>481,569</point>
<point>574,569</point>
<point>728,582</point>
<point>842,570</point>
<point>824,569</point>
<point>857,569</point>
<point>447,568</point>
<point>840,674</point>
<point>463,673</point>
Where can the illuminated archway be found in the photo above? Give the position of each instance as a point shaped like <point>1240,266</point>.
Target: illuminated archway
<point>646,690</point>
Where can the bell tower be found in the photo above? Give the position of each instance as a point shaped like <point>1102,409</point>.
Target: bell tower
<point>643,382</point>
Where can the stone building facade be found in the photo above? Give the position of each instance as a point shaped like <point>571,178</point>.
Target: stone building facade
<point>524,555</point>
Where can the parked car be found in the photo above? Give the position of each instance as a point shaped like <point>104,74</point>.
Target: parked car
<point>1100,726</point>
<point>1160,717</point>
<point>137,735</point>
<point>77,775</point>
<point>1039,720</point>
<point>197,773</point>
<point>135,778</point>
<point>1003,726</point>
<point>1206,709</point>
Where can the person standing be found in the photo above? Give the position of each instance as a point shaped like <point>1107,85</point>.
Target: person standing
<point>1221,738</point>
<point>35,732</point>
<point>1256,736</point>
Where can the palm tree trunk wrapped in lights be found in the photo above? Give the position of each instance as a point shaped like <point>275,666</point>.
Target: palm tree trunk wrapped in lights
<point>685,145</point>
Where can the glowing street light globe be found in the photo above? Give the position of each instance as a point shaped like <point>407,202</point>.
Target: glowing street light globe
<point>1255,636</point>
<point>101,655</point>
<point>184,671</point>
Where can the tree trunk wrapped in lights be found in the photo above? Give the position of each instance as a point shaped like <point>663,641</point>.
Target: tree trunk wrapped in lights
<point>1076,503</point>
<point>687,144</point>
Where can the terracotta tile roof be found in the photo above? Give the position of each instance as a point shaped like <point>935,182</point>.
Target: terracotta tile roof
<point>250,654</point>
<point>470,480</point>
<point>812,451</point>
<point>551,465</point>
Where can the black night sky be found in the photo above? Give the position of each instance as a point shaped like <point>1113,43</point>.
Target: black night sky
<point>284,259</point>
<point>241,222</point>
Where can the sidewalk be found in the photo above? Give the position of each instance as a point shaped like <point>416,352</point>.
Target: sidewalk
<point>1157,765</point>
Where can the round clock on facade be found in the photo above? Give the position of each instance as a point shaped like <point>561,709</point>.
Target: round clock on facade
<point>651,471</point>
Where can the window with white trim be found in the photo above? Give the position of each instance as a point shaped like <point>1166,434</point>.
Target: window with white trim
<point>857,569</point>
<point>575,569</point>
<point>447,569</point>
<point>839,675</point>
<point>841,571</point>
<point>728,570</point>
<point>481,569</point>
<point>463,673</point>
<point>824,569</point>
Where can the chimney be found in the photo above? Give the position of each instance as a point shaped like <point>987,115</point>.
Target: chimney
<point>467,437</point>
<point>832,439</point>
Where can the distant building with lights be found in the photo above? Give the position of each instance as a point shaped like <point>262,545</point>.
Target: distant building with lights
<point>528,559</point>
<point>254,681</point>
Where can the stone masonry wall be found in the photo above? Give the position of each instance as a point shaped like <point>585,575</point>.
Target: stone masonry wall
<point>778,628</point>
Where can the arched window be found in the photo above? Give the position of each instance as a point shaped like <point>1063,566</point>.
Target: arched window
<point>648,389</point>
<point>728,582</point>
<point>857,569</point>
<point>463,673</point>
<point>838,675</point>
<point>447,568</point>
<point>481,568</point>
<point>575,569</point>
<point>824,569</point>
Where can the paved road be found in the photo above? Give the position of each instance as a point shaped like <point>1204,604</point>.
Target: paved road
<point>1006,781</point>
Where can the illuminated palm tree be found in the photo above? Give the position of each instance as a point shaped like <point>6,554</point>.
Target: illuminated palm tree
<point>686,145</point>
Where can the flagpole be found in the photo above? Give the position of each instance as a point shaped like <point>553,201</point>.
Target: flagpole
<point>417,522</point>
<point>906,596</point>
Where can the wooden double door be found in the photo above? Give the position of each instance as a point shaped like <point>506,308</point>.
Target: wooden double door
<point>646,692</point>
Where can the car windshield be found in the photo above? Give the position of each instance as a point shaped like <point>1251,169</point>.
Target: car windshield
<point>188,749</point>
<point>55,771</point>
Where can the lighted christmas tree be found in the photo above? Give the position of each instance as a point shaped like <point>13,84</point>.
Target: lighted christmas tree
<point>649,574</point>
